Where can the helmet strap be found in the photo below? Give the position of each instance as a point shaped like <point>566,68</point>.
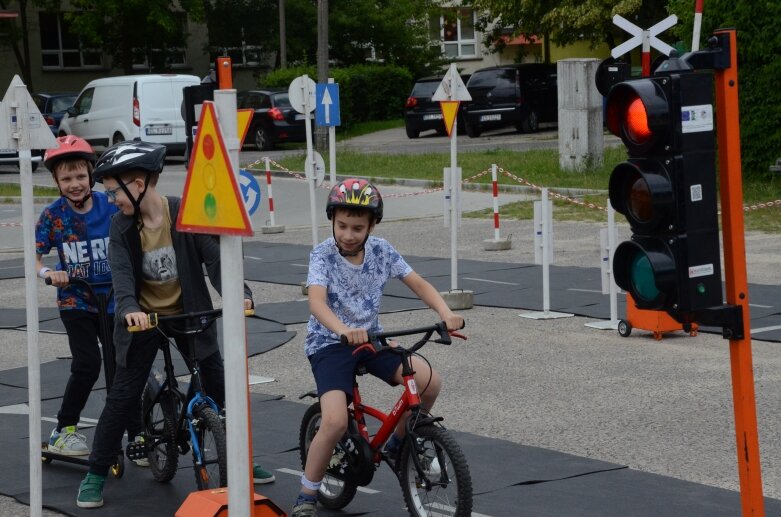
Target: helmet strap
<point>137,201</point>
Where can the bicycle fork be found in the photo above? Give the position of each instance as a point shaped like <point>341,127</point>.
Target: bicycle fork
<point>192,422</point>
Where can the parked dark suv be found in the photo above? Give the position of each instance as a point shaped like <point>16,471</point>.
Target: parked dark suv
<point>421,113</point>
<point>521,95</point>
<point>275,121</point>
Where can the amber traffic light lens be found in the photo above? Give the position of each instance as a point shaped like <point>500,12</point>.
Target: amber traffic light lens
<point>637,128</point>
<point>640,203</point>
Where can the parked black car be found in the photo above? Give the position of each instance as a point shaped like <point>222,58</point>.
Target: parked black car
<point>421,113</point>
<point>520,95</point>
<point>275,120</point>
<point>53,105</point>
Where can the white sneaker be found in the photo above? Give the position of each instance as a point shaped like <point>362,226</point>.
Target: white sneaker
<point>68,442</point>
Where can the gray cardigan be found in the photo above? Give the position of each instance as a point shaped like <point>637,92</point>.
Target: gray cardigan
<point>193,251</point>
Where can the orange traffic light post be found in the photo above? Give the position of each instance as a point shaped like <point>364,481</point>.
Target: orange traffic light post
<point>731,186</point>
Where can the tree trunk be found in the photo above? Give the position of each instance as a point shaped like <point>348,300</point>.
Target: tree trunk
<point>321,133</point>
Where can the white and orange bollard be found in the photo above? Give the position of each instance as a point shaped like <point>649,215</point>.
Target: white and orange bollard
<point>497,243</point>
<point>272,226</point>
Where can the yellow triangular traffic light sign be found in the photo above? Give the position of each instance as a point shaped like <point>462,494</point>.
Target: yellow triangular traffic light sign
<point>449,112</point>
<point>243,118</point>
<point>211,201</point>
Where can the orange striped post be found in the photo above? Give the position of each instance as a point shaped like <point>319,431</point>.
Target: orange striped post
<point>731,184</point>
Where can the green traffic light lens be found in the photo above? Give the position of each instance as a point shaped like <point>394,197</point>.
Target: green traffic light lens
<point>642,278</point>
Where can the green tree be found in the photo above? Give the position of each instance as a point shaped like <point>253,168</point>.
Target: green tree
<point>395,32</point>
<point>564,21</point>
<point>759,70</point>
<point>126,29</point>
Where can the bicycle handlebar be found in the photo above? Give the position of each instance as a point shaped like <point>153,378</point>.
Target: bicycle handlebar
<point>378,340</point>
<point>77,280</point>
<point>207,317</point>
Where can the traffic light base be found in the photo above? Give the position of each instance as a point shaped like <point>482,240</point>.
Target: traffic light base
<point>658,322</point>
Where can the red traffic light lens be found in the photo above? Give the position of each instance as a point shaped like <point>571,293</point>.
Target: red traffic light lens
<point>637,128</point>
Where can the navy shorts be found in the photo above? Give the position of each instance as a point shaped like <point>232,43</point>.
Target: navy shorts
<point>333,367</point>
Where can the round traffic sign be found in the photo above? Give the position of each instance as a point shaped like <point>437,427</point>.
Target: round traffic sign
<point>250,190</point>
<point>319,172</point>
<point>302,94</point>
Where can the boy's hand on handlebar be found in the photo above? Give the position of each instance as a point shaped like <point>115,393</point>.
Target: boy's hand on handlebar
<point>137,319</point>
<point>453,321</point>
<point>356,336</point>
<point>57,278</point>
<point>248,305</point>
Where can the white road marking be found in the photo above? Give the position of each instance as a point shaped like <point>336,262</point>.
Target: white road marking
<point>760,306</point>
<point>489,281</point>
<point>253,258</point>
<point>298,473</point>
<point>585,290</point>
<point>765,329</point>
<point>299,265</point>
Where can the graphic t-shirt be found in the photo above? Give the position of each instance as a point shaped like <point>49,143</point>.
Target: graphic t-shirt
<point>81,241</point>
<point>353,291</point>
<point>160,290</point>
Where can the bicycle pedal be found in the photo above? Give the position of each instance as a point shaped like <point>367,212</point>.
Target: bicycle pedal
<point>136,451</point>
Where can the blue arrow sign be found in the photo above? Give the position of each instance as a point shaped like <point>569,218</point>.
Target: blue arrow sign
<point>250,190</point>
<point>327,105</point>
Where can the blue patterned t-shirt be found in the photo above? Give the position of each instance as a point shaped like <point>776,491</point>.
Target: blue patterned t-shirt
<point>81,241</point>
<point>353,291</point>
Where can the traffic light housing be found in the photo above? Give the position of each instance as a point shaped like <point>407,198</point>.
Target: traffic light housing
<point>667,191</point>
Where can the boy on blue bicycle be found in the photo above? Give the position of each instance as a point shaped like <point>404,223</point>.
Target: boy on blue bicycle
<point>347,276</point>
<point>158,269</point>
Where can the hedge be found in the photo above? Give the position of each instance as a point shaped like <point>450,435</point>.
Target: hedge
<point>366,92</point>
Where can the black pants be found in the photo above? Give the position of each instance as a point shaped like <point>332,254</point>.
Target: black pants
<point>122,402</point>
<point>83,330</point>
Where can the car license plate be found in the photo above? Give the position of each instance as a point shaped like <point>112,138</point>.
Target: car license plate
<point>164,130</point>
<point>495,116</point>
<point>433,116</point>
<point>300,116</point>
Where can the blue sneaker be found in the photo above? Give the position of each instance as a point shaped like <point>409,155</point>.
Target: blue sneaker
<point>91,491</point>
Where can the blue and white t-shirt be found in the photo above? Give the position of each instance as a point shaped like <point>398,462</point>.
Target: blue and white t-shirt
<point>353,291</point>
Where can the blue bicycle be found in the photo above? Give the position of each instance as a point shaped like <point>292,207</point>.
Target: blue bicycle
<point>174,425</point>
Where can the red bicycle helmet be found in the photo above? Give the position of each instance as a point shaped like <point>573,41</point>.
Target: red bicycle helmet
<point>71,147</point>
<point>355,193</point>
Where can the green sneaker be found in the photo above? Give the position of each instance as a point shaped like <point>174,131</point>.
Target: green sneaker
<point>91,491</point>
<point>260,476</point>
<point>68,442</point>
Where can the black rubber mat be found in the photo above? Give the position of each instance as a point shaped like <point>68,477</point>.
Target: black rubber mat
<point>509,479</point>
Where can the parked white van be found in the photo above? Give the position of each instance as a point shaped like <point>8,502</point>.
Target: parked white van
<point>130,107</point>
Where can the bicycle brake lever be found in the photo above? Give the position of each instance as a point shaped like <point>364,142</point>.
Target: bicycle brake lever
<point>457,334</point>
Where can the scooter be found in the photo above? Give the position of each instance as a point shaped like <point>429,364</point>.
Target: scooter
<point>105,334</point>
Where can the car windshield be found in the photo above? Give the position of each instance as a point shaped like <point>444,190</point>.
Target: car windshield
<point>425,88</point>
<point>62,103</point>
<point>281,100</point>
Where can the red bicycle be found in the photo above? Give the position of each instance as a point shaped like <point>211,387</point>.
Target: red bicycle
<point>430,465</point>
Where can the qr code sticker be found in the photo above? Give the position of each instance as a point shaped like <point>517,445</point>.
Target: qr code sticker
<point>696,192</point>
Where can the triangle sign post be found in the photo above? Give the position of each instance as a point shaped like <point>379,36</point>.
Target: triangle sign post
<point>243,119</point>
<point>211,201</point>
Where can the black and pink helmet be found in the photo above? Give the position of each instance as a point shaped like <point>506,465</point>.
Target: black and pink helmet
<point>355,193</point>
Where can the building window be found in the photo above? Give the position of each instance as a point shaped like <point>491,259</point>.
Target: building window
<point>170,57</point>
<point>457,33</point>
<point>60,47</point>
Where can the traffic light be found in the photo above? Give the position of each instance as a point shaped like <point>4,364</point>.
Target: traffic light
<point>667,191</point>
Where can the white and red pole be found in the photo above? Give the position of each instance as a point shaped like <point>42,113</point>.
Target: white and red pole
<point>495,187</point>
<point>270,194</point>
<point>646,55</point>
<point>697,25</point>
